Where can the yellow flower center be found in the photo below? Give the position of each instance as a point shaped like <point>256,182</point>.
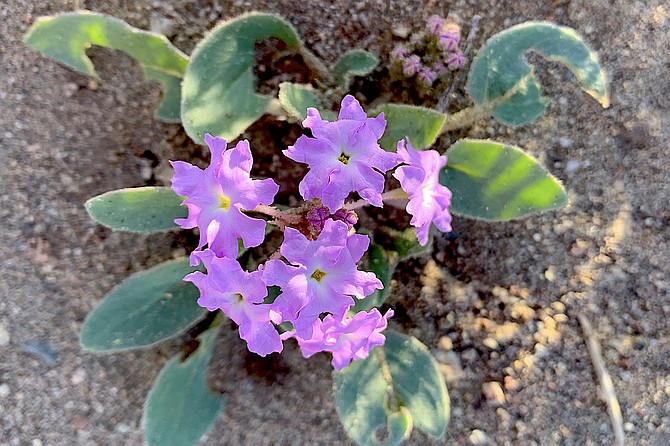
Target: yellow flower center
<point>225,203</point>
<point>318,275</point>
<point>344,158</point>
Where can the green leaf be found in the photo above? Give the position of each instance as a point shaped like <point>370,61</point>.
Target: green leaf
<point>296,99</point>
<point>419,123</point>
<point>500,76</point>
<point>218,94</point>
<point>137,209</point>
<point>180,407</point>
<point>66,37</point>
<point>148,307</point>
<point>169,110</point>
<point>493,181</point>
<point>383,263</point>
<point>407,245</point>
<point>353,63</point>
<point>397,387</point>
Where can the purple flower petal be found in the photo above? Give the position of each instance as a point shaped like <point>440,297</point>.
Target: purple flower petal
<point>343,156</point>
<point>323,276</point>
<point>239,294</point>
<point>429,201</point>
<point>346,338</point>
<point>217,195</point>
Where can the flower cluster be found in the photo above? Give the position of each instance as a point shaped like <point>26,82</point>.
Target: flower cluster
<point>316,266</point>
<point>430,55</point>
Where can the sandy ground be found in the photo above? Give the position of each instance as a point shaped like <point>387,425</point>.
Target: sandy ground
<point>498,303</point>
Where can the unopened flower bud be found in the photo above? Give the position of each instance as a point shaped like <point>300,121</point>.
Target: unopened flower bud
<point>317,218</point>
<point>411,65</point>
<point>448,40</point>
<point>455,60</point>
<point>435,24</point>
<point>399,53</point>
<point>347,216</point>
<point>439,69</point>
<point>426,77</point>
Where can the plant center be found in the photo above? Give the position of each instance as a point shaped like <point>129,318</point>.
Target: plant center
<point>225,203</point>
<point>344,158</point>
<point>318,275</point>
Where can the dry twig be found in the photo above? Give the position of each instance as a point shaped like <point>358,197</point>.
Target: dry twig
<point>605,380</point>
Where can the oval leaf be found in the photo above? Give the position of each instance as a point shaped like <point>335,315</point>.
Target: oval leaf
<point>399,384</point>
<point>218,94</point>
<point>493,181</point>
<point>501,78</point>
<point>180,407</point>
<point>356,62</point>
<point>296,99</point>
<point>137,209</point>
<point>148,307</point>
<point>419,123</point>
<point>66,37</point>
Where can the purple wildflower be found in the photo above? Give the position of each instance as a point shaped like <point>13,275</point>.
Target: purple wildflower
<point>435,24</point>
<point>426,77</point>
<point>428,199</point>
<point>344,156</point>
<point>449,39</point>
<point>411,65</point>
<point>239,294</point>
<point>324,277</point>
<point>346,338</point>
<point>217,196</point>
<point>455,60</point>
<point>399,53</point>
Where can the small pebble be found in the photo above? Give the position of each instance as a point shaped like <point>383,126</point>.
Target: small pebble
<point>78,377</point>
<point>446,343</point>
<point>401,31</point>
<point>558,306</point>
<point>122,428</point>
<point>510,383</point>
<point>561,318</point>
<point>491,343</point>
<point>494,393</point>
<point>70,89</point>
<point>572,166</point>
<point>162,25</point>
<point>550,275</point>
<point>564,142</point>
<point>4,390</point>
<point>478,438</point>
<point>470,355</point>
<point>4,335</point>
<point>450,366</point>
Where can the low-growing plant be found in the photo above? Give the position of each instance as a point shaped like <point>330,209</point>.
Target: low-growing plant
<point>311,289</point>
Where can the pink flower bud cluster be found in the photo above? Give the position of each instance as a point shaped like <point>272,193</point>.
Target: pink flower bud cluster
<point>443,38</point>
<point>316,266</point>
